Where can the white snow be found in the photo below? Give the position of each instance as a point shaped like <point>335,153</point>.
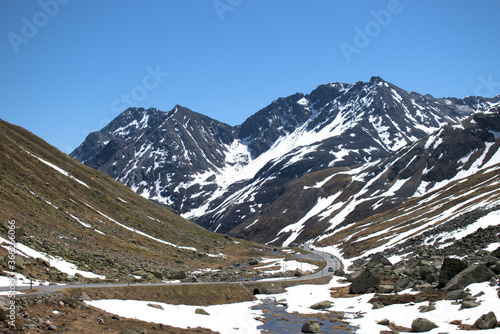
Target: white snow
<point>286,265</point>
<point>226,318</point>
<point>55,261</point>
<point>60,170</point>
<point>140,232</point>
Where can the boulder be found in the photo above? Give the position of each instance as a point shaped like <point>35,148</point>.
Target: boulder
<point>427,308</point>
<point>140,272</point>
<point>449,269</point>
<point>156,306</point>
<point>352,276</point>
<point>311,327</point>
<point>363,282</point>
<point>457,295</point>
<point>378,260</point>
<point>493,263</point>
<point>469,304</point>
<point>377,305</point>
<point>253,262</point>
<point>383,322</point>
<point>321,305</point>
<point>486,321</point>
<point>201,311</point>
<point>18,262</point>
<point>421,325</point>
<point>298,273</point>
<point>339,272</point>
<point>474,274</point>
<point>496,253</point>
<point>385,288</point>
<point>403,284</point>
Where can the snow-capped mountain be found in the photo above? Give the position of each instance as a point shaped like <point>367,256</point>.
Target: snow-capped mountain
<point>440,176</point>
<point>221,176</point>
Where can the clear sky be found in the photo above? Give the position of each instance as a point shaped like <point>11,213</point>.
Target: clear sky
<point>68,67</point>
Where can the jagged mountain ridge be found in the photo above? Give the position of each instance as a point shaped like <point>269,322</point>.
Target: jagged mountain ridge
<point>439,173</point>
<point>221,176</point>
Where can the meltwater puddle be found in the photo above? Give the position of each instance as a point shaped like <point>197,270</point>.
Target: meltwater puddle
<point>277,320</point>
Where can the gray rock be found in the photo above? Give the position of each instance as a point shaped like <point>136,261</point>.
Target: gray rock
<point>421,325</point>
<point>427,308</point>
<point>486,321</point>
<point>311,327</point>
<point>378,260</point>
<point>385,288</point>
<point>496,253</point>
<point>84,296</point>
<point>362,283</point>
<point>403,284</point>
<point>156,306</point>
<point>18,261</point>
<point>474,274</point>
<point>253,262</point>
<point>339,272</point>
<point>469,304</point>
<point>201,311</point>
<point>384,322</point>
<point>298,273</point>
<point>449,269</point>
<point>457,295</point>
<point>377,305</point>
<point>321,305</point>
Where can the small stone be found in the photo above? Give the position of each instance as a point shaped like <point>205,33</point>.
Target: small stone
<point>428,308</point>
<point>84,296</point>
<point>469,304</point>
<point>385,288</point>
<point>377,305</point>
<point>384,322</point>
<point>156,306</point>
<point>201,311</point>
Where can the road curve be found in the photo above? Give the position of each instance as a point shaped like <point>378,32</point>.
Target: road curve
<point>331,262</point>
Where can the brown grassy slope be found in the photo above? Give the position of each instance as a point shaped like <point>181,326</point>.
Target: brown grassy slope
<point>419,214</point>
<point>41,200</point>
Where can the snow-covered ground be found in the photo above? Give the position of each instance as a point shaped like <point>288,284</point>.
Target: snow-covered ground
<point>239,317</point>
<point>227,318</point>
<point>281,265</point>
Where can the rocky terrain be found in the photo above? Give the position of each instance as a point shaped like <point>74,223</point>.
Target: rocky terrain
<point>440,270</point>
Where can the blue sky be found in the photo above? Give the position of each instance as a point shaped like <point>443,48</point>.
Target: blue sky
<point>69,67</point>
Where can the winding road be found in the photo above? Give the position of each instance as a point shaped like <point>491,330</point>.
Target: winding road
<point>331,262</point>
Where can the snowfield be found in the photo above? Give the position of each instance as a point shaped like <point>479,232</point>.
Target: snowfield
<point>227,318</point>
<point>240,318</point>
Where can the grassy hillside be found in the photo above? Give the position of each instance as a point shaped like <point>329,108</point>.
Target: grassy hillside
<point>63,208</point>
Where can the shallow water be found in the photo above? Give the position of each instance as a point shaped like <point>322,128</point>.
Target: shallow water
<point>279,321</point>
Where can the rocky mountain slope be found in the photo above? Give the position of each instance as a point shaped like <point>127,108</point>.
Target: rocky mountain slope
<point>440,176</point>
<point>222,176</point>
<point>82,223</point>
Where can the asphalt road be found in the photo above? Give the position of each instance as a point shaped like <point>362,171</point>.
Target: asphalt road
<point>331,262</point>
